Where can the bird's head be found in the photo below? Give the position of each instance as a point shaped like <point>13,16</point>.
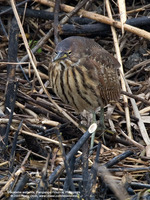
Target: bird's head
<point>68,49</point>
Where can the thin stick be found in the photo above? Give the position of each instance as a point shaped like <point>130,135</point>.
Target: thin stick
<point>136,97</point>
<point>122,11</point>
<point>41,137</point>
<point>127,114</point>
<point>56,21</point>
<point>140,146</point>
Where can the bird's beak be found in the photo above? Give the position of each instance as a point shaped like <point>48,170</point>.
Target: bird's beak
<point>60,56</point>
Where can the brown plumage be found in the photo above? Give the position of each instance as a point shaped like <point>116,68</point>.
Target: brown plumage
<point>83,74</point>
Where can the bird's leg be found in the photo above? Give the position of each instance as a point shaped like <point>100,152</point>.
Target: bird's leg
<point>101,126</point>
<point>87,119</point>
<point>102,123</point>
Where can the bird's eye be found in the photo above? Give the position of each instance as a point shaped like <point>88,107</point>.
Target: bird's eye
<point>69,52</point>
<point>56,52</point>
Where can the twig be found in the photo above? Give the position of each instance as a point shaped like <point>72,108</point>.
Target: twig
<point>122,11</point>
<point>134,68</point>
<point>118,158</point>
<point>56,22</point>
<point>139,9</point>
<point>135,97</point>
<point>10,116</point>
<point>85,173</point>
<point>13,150</point>
<point>41,137</point>
<point>140,146</point>
<point>130,169</point>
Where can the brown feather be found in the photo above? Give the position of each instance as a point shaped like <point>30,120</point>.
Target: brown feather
<point>87,77</point>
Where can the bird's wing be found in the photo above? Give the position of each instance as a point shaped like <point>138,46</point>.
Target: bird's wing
<point>102,68</point>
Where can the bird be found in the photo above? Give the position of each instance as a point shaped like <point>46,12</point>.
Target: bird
<point>83,74</point>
